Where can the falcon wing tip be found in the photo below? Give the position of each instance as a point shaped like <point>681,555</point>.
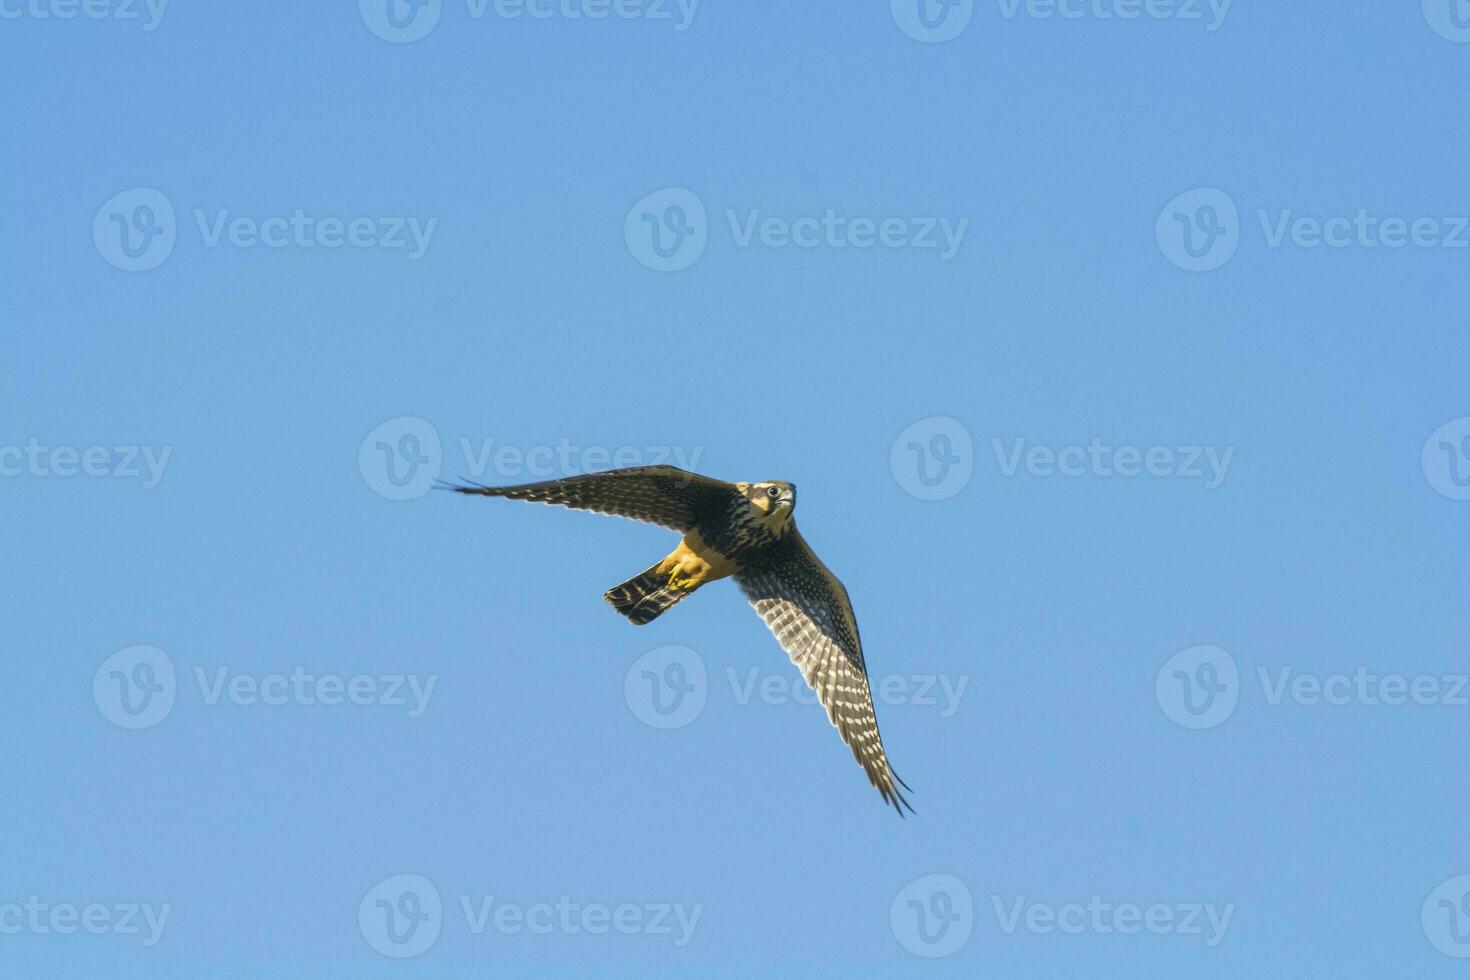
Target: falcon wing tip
<point>466,486</point>
<point>893,796</point>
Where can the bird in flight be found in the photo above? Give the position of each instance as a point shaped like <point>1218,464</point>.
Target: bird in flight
<point>745,531</point>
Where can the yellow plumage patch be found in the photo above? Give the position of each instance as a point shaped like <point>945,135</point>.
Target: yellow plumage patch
<point>694,563</point>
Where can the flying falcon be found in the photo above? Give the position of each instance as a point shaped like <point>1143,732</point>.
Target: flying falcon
<point>744,530</point>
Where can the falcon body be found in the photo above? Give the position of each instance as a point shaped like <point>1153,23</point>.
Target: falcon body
<point>745,531</point>
<point>729,532</point>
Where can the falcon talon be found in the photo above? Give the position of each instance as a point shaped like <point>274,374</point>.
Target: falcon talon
<point>744,531</point>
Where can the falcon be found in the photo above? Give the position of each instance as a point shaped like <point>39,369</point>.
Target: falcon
<point>745,531</point>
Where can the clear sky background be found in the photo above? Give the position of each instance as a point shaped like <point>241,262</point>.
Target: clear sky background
<point>268,542</point>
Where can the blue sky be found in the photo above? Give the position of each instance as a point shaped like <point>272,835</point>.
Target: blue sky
<point>1118,349</point>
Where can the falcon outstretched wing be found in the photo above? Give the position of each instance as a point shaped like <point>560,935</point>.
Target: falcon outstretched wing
<point>807,608</point>
<point>663,495</point>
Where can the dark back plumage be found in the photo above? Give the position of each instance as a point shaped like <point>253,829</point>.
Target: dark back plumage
<point>802,602</point>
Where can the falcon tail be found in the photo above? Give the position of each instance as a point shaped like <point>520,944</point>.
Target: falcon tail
<point>645,596</point>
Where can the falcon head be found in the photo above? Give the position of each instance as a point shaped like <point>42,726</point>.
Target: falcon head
<point>773,502</point>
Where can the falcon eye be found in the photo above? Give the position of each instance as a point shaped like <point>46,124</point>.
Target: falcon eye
<point>773,492</point>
